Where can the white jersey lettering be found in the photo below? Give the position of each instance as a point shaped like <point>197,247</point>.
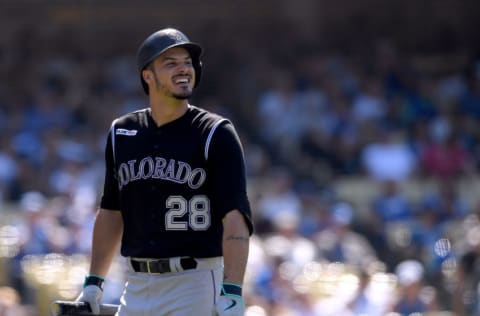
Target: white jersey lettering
<point>158,168</point>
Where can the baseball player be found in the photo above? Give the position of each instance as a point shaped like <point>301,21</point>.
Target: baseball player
<point>174,197</point>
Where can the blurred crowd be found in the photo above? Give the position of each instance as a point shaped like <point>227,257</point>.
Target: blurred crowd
<point>387,118</point>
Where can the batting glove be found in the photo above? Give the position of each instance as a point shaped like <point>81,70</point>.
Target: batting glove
<point>92,292</point>
<point>230,302</point>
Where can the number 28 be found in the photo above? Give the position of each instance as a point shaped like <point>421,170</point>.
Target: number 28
<point>198,208</point>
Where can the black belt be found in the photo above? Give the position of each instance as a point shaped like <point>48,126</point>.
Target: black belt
<point>161,265</point>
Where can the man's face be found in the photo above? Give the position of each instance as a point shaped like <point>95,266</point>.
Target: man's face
<point>172,74</point>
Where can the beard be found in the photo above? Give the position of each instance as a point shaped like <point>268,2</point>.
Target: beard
<point>185,94</point>
<point>182,96</point>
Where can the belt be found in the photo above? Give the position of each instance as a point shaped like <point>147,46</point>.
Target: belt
<point>163,265</point>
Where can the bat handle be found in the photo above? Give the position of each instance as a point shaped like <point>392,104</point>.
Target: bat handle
<point>74,308</point>
<point>60,308</point>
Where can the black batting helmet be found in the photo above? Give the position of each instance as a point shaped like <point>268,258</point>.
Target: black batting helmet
<point>162,40</point>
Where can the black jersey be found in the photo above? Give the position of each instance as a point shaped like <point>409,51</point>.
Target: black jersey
<point>174,183</point>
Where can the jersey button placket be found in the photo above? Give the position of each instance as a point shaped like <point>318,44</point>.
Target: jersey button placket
<point>155,138</point>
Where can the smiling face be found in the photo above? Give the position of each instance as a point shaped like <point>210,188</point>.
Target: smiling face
<point>171,74</point>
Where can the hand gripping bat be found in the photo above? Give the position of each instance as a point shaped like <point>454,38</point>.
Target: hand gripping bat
<point>73,308</point>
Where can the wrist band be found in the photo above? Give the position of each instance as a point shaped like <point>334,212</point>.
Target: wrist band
<point>93,279</point>
<point>231,289</point>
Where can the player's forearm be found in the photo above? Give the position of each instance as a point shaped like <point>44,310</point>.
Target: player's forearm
<point>107,233</point>
<point>235,247</point>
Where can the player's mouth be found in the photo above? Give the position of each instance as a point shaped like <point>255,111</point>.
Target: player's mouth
<point>183,80</point>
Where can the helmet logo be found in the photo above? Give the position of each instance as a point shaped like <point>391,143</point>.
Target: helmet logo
<point>178,37</point>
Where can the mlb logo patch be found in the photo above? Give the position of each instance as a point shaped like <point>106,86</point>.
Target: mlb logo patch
<point>126,132</point>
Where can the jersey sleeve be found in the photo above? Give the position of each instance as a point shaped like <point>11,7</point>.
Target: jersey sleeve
<point>110,196</point>
<point>226,166</point>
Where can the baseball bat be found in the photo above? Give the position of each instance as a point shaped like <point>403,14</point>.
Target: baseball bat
<point>73,308</point>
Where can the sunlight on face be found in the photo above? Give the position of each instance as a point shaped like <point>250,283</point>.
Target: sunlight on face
<point>173,74</point>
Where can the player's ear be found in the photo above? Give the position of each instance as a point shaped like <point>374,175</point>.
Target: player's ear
<point>147,75</point>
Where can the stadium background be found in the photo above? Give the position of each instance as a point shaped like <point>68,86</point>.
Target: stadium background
<point>360,125</point>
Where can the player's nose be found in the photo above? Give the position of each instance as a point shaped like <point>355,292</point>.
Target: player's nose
<point>185,67</point>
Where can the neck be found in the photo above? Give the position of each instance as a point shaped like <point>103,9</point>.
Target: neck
<point>167,110</point>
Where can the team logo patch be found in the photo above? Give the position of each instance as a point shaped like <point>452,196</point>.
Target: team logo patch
<point>126,132</point>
